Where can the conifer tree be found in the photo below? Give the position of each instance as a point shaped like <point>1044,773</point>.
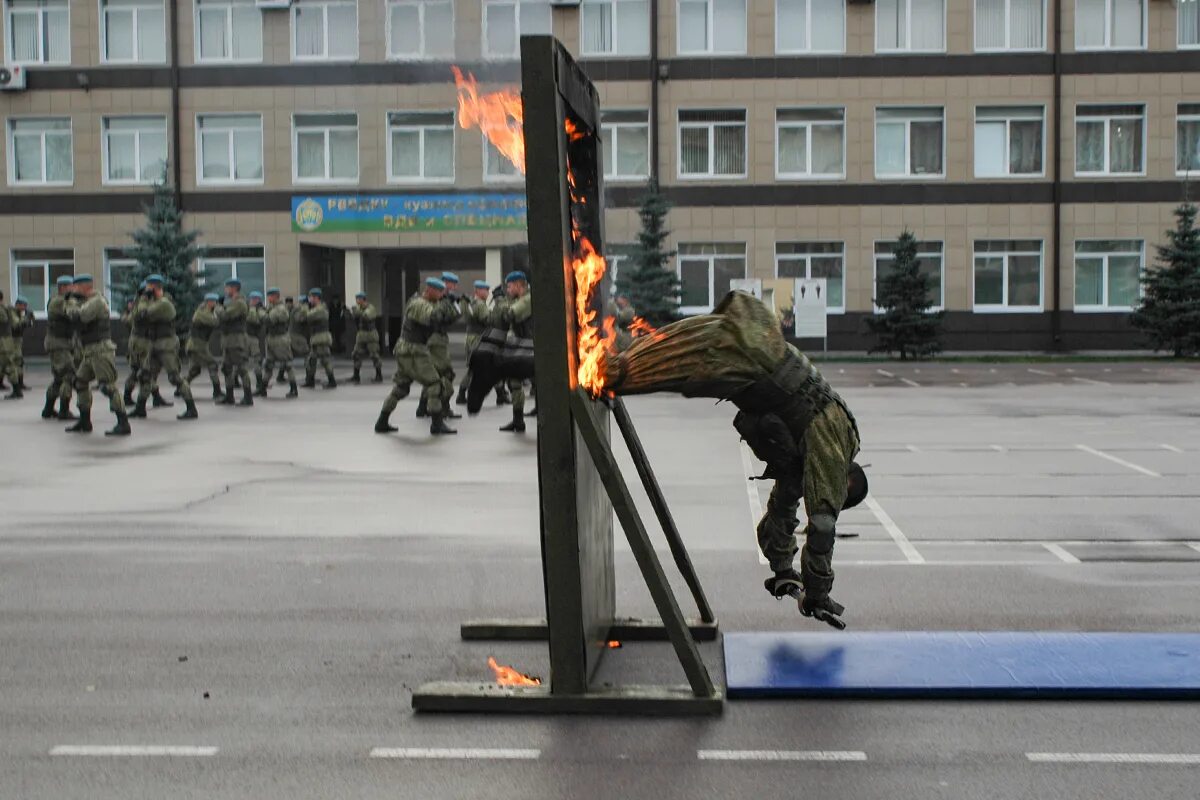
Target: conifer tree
<point>162,246</point>
<point>1169,312</point>
<point>906,325</point>
<point>649,282</point>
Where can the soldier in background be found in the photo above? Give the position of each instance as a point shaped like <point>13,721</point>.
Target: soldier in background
<point>337,323</point>
<point>137,348</point>
<point>366,340</point>
<point>256,329</point>
<point>299,333</point>
<point>89,317</point>
<point>475,309</point>
<point>279,344</point>
<point>439,344</point>
<point>204,323</point>
<point>515,313</point>
<point>235,345</point>
<point>623,316</point>
<point>22,323</point>
<point>320,341</point>
<point>8,364</point>
<point>158,313</point>
<point>60,347</point>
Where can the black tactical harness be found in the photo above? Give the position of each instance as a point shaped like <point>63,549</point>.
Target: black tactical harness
<point>415,332</point>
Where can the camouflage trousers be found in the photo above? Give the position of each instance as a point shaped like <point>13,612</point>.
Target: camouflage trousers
<point>366,347</point>
<point>414,364</point>
<point>164,356</point>
<point>279,357</point>
<point>62,372</point>
<point>98,365</point>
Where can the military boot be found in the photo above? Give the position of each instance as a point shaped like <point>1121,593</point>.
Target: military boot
<point>310,381</point>
<point>218,392</point>
<point>518,422</point>
<point>189,411</point>
<point>422,407</point>
<point>16,393</point>
<point>261,391</point>
<point>21,382</point>
<point>383,426</point>
<point>121,428</point>
<point>159,401</point>
<point>139,408</point>
<point>438,426</point>
<point>84,425</point>
<point>292,390</point>
<point>48,409</point>
<point>177,393</point>
<point>378,375</point>
<point>503,398</point>
<point>128,396</point>
<point>247,397</point>
<point>450,414</point>
<point>330,381</point>
<point>356,378</point>
<point>461,400</point>
<point>227,398</point>
<point>279,376</point>
<point>64,410</point>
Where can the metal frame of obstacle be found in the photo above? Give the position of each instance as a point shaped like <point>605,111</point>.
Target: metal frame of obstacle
<point>580,484</point>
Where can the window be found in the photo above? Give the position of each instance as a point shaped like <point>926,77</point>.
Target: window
<point>421,146</point>
<point>617,256</point>
<point>420,29</point>
<point>39,31</point>
<point>231,148</point>
<point>1008,275</point>
<point>325,148</point>
<point>913,26</point>
<point>929,254</point>
<point>712,26</point>
<point>247,264</point>
<point>228,30</point>
<point>39,152</point>
<point>506,21</point>
<point>133,31</point>
<point>1108,274</point>
<point>324,30</point>
<point>712,143</point>
<point>135,149</point>
<point>810,143</point>
<point>37,273</point>
<point>1110,24</point>
<point>1008,141</point>
<point>1010,25</point>
<point>1188,23</point>
<point>119,270</point>
<point>626,136</point>
<point>615,27</point>
<point>810,26</point>
<point>815,260</point>
<point>909,142</point>
<point>705,271</point>
<point>1187,138</point>
<point>1108,140</point>
<point>496,166</point>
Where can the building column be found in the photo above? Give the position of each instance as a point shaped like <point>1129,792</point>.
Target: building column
<point>355,280</point>
<point>493,266</point>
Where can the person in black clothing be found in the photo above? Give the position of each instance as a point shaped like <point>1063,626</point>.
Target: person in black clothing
<point>337,323</point>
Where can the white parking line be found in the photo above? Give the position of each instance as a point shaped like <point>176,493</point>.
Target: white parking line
<point>1060,552</point>
<point>1194,546</point>
<point>1089,380</point>
<point>457,753</point>
<point>756,509</point>
<point>1116,460</point>
<point>885,373</point>
<point>1114,758</point>
<point>1172,448</point>
<point>908,382</point>
<point>1041,372</point>
<point>997,448</point>
<point>129,751</point>
<point>912,448</point>
<point>910,552</point>
<point>781,755</point>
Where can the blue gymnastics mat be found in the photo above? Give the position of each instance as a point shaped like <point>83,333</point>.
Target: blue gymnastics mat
<point>963,665</point>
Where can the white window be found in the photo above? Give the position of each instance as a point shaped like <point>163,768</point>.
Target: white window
<point>815,260</point>
<point>228,31</point>
<point>420,29</point>
<point>617,256</point>
<point>909,142</point>
<point>325,148</point>
<point>626,136</point>
<point>615,27</point>
<point>929,256</point>
<point>914,26</point>
<point>1008,275</point>
<point>134,149</point>
<point>712,26</point>
<point>810,143</point>
<point>810,26</point>
<point>1108,274</point>
<point>1189,23</point>
<point>39,152</point>
<point>36,274</point>
<point>39,31</point>
<point>712,143</point>
<point>421,146</point>
<point>496,166</point>
<point>1108,140</point>
<point>231,148</point>
<point>119,270</point>
<point>1110,24</point>
<point>705,271</point>
<point>324,30</point>
<point>1187,138</point>
<point>1010,25</point>
<point>1008,141</point>
<point>246,263</point>
<point>133,31</point>
<point>506,21</point>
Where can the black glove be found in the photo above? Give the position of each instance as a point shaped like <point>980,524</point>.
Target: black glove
<point>498,292</point>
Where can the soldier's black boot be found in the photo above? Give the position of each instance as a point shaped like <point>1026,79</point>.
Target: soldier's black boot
<point>64,410</point>
<point>139,409</point>
<point>158,401</point>
<point>310,381</point>
<point>518,422</point>
<point>178,392</point>
<point>247,397</point>
<point>330,381</point>
<point>438,426</point>
<point>422,408</point>
<point>121,428</point>
<point>292,391</point>
<point>128,396</point>
<point>378,375</point>
<point>383,426</point>
<point>261,391</point>
<point>461,400</point>
<point>21,382</point>
<point>16,393</point>
<point>503,398</point>
<point>48,409</point>
<point>84,425</point>
<point>189,411</point>
<point>356,378</point>
<point>218,392</point>
<point>280,376</point>
<point>227,398</point>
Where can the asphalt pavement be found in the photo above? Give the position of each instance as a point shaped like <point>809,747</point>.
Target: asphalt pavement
<point>240,607</point>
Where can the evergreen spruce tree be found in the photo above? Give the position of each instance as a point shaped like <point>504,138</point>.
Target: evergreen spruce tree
<point>906,326</point>
<point>162,246</point>
<point>649,282</point>
<point>1169,312</point>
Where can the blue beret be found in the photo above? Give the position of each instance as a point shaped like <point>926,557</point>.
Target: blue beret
<point>315,291</point>
<point>482,285</point>
<point>65,280</point>
<point>212,296</point>
<point>450,276</point>
<point>141,286</point>
<point>274,290</point>
<point>84,278</point>
<point>256,294</point>
<point>515,275</point>
<point>155,278</point>
<point>21,300</point>
<point>233,282</point>
<point>363,295</point>
<point>436,283</point>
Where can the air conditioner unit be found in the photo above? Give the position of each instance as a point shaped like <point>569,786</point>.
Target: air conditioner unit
<point>12,79</point>
<point>269,5</point>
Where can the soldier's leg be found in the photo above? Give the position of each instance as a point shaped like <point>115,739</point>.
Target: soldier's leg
<point>829,447</point>
<point>171,365</point>
<point>242,369</point>
<point>55,387</point>
<point>401,385</point>
<point>145,388</point>
<point>516,393</point>
<point>437,396</point>
<point>373,352</point>
<point>67,384</point>
<point>356,355</point>
<point>19,362</point>
<point>323,355</point>
<point>83,398</point>
<point>777,528</point>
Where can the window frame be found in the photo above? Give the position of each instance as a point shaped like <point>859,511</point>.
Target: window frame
<point>488,55</point>
<point>908,32</point>
<point>612,13</point>
<point>108,262</point>
<point>711,127</point>
<point>424,55</point>
<point>908,175</point>
<point>327,129</point>
<point>1004,307</point>
<point>617,126</point>
<point>488,177</point>
<point>810,50</point>
<point>1104,309</point>
<point>232,180</point>
<point>809,176</point>
<point>875,309</point>
<point>48,289</point>
<point>807,258</point>
<point>1189,117</point>
<point>1008,120</point>
<point>1107,120</point>
<point>1008,31</point>
<point>1108,15</point>
<point>41,14</point>
<point>1179,43</point>
<point>710,49</point>
<point>711,257</point>
<point>325,57</point>
<point>106,178</point>
<point>10,131</point>
<point>103,6</point>
<point>390,128</point>
<point>234,260</point>
<point>198,56</point>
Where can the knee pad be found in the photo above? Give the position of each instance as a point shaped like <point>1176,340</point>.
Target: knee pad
<point>821,533</point>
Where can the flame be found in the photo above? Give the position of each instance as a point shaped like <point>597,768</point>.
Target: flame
<point>614,645</point>
<point>507,676</point>
<point>500,115</point>
<point>639,327</point>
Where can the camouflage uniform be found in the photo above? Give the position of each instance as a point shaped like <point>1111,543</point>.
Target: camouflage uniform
<point>320,343</point>
<point>439,351</point>
<point>516,314</point>
<point>256,330</point>
<point>8,364</point>
<point>61,348</point>
<point>413,360</point>
<point>235,348</point>
<point>478,319</point>
<point>298,330</point>
<point>623,318</point>
<point>204,322</point>
<point>138,349</point>
<point>366,341</point>
<point>98,362</point>
<point>22,321</point>
<point>158,315</point>
<point>279,347</point>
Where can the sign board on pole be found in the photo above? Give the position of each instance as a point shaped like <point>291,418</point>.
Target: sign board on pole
<point>748,285</point>
<point>810,308</point>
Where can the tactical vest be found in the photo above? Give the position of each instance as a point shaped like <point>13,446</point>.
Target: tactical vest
<point>160,329</point>
<point>523,330</point>
<point>5,323</point>
<point>140,327</point>
<point>796,392</point>
<point>364,323</point>
<point>58,324</point>
<point>94,331</point>
<point>278,327</point>
<point>234,326</point>
<point>318,325</point>
<point>415,332</point>
<point>201,331</point>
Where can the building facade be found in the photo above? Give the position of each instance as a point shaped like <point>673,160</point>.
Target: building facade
<point>1035,147</point>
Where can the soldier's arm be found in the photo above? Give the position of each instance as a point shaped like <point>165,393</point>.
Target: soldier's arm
<point>90,310</point>
<point>235,311</point>
<point>160,311</point>
<point>521,309</point>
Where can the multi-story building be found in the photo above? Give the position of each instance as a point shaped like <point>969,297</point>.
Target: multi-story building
<point>1035,147</point>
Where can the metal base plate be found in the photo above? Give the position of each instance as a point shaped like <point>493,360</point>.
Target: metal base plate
<point>654,701</point>
<point>623,630</point>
